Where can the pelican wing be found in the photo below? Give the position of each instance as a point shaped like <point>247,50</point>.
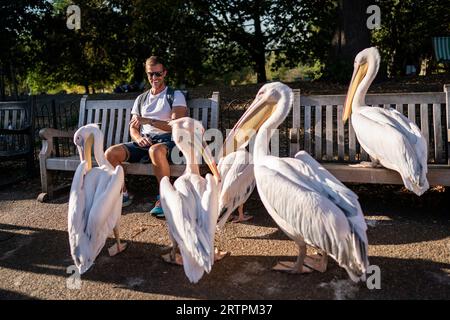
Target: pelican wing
<point>180,212</point>
<point>238,182</point>
<point>209,216</point>
<point>303,212</point>
<point>322,181</point>
<point>107,206</point>
<point>396,142</point>
<point>76,217</point>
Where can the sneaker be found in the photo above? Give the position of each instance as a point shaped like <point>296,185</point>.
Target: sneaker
<point>157,210</point>
<point>127,199</point>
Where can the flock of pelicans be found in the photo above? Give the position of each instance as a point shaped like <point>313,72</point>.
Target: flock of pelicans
<point>306,201</point>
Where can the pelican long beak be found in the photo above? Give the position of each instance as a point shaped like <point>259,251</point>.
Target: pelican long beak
<point>250,122</point>
<point>86,151</point>
<point>359,73</point>
<point>202,147</point>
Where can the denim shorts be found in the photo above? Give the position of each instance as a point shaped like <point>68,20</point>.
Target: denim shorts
<point>140,154</point>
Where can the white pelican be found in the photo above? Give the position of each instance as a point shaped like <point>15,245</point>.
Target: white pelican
<point>192,203</point>
<point>95,203</point>
<point>238,183</point>
<point>389,137</point>
<point>308,203</point>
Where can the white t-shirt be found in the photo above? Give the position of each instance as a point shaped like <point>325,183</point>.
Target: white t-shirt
<point>157,107</point>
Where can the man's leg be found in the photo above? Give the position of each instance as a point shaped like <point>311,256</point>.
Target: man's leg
<point>158,155</point>
<point>161,168</point>
<point>116,155</point>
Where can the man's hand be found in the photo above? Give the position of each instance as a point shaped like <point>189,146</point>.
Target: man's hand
<point>137,121</point>
<point>144,142</point>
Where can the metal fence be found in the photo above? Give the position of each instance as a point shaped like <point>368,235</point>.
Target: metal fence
<point>59,113</point>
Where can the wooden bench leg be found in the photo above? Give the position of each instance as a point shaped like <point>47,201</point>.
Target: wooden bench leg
<point>46,183</point>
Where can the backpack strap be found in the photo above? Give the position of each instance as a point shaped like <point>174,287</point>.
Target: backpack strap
<point>170,96</point>
<point>142,97</point>
<point>170,93</point>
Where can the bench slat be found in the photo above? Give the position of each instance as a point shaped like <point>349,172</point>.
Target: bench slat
<point>318,133</point>
<point>329,132</point>
<point>126,127</point>
<point>215,110</point>
<point>412,112</point>
<point>104,117</point>
<point>351,141</point>
<point>82,115</point>
<point>109,104</point>
<point>89,117</point>
<point>437,132</point>
<point>340,132</point>
<point>399,108</point>
<point>6,119</point>
<point>295,142</point>
<point>22,119</point>
<point>196,113</point>
<point>119,126</point>
<point>96,115</point>
<point>424,124</point>
<point>307,136</point>
<point>205,117</point>
<point>112,120</point>
<point>14,119</point>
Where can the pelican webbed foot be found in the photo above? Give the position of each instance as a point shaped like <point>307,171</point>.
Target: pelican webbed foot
<point>118,247</point>
<point>318,261</point>
<point>219,255</point>
<point>291,267</point>
<point>242,216</point>
<point>366,164</point>
<point>176,259</point>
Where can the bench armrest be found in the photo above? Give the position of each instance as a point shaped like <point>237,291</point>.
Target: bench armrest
<point>50,133</point>
<point>47,135</point>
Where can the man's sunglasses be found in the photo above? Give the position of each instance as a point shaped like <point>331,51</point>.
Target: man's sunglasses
<point>157,74</point>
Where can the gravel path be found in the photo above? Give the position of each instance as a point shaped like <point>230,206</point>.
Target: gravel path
<point>409,240</point>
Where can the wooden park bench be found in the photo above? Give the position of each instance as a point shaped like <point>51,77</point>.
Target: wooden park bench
<point>16,133</point>
<point>317,128</point>
<point>114,117</point>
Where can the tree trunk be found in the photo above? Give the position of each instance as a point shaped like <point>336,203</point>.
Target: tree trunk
<point>86,88</point>
<point>351,36</point>
<point>259,54</point>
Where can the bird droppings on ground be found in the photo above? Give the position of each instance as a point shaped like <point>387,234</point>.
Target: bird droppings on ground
<point>411,250</point>
<point>342,289</point>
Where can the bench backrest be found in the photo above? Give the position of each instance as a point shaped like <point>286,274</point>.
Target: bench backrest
<point>114,116</point>
<point>14,114</point>
<point>317,125</point>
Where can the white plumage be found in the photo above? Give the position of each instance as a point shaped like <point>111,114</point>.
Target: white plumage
<point>238,182</point>
<point>95,203</point>
<point>308,203</point>
<point>389,137</point>
<point>191,204</point>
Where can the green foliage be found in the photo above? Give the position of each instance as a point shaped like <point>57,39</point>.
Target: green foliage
<point>204,41</point>
<point>407,27</point>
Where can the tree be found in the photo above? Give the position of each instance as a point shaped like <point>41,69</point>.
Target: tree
<point>173,30</point>
<point>407,28</point>
<point>19,20</point>
<point>247,31</point>
<point>351,35</point>
<point>92,56</point>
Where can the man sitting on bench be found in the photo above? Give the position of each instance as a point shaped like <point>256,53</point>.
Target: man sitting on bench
<point>149,129</point>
